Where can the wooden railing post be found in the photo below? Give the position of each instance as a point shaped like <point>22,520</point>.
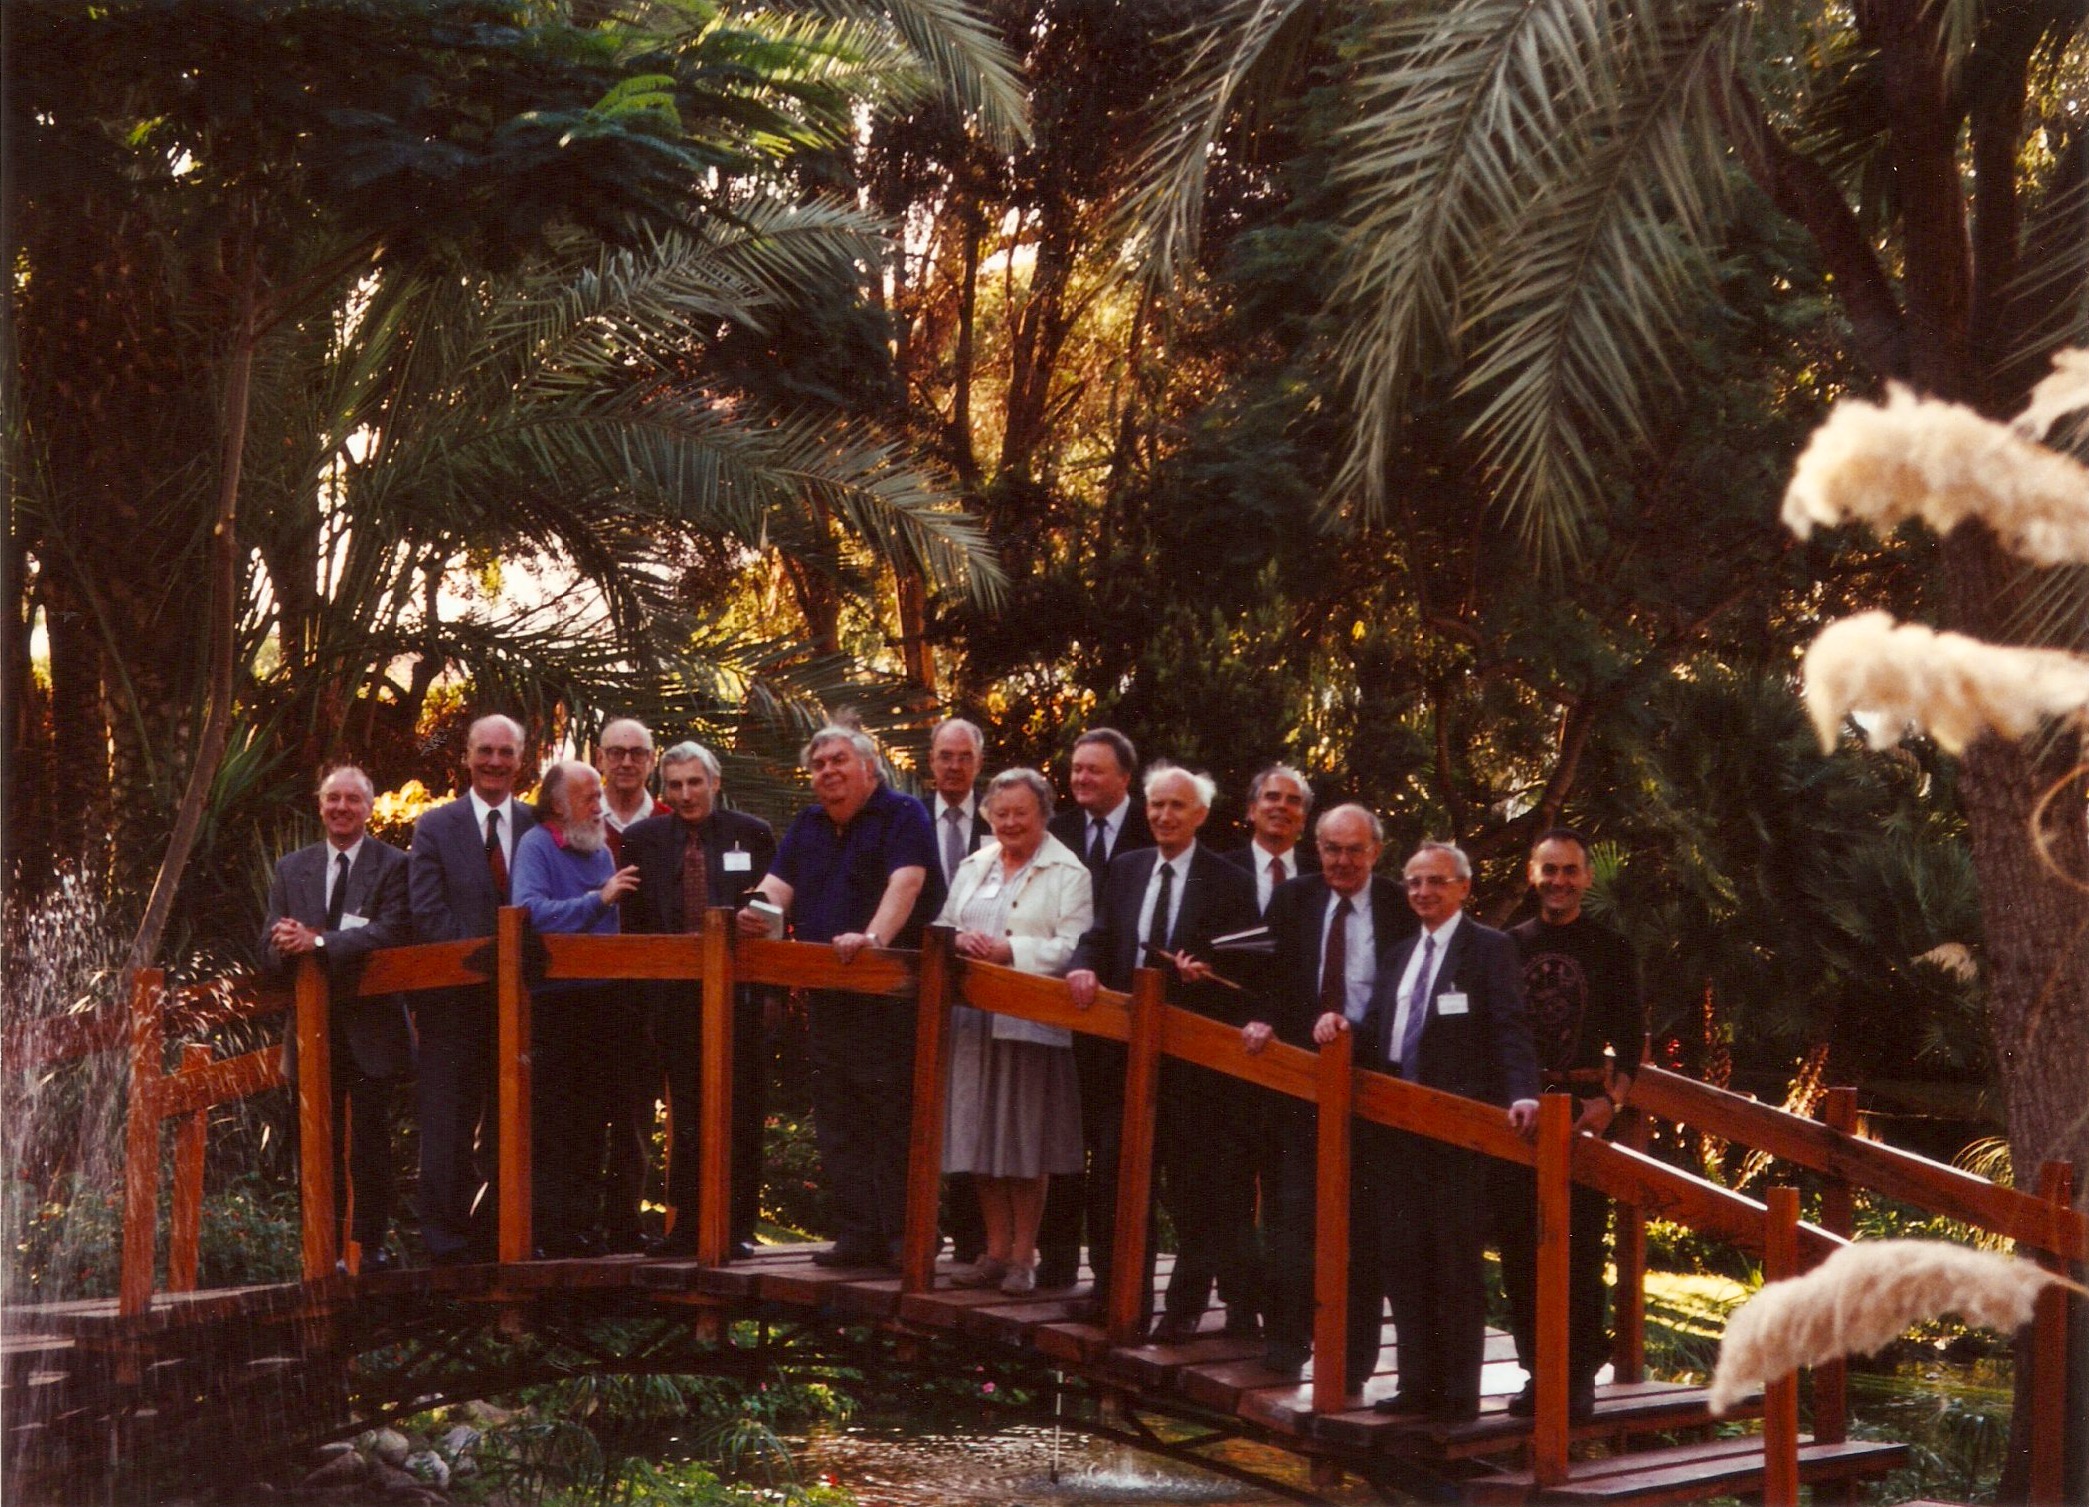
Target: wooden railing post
<point>1549,1433</point>
<point>141,1143</point>
<point>2048,1475</point>
<point>1781,1396</point>
<point>1831,1379</point>
<point>512,1004</point>
<point>920,1237</point>
<point>1628,1355</point>
<point>315,1119</point>
<point>714,1147</point>
<point>184,1240</point>
<point>1142,1071</point>
<point>1334,1102</point>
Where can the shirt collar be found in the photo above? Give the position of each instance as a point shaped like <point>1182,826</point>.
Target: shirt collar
<point>506,808</point>
<point>1447,930</point>
<point>351,851</point>
<point>1263,857</point>
<point>963,807</point>
<point>1359,903</point>
<point>647,807</point>
<point>1180,860</point>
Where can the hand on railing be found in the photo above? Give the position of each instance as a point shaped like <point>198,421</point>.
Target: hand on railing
<point>977,944</point>
<point>1596,1115</point>
<point>849,943</point>
<point>292,938</point>
<point>1523,1118</point>
<point>1256,1035</point>
<point>1329,1026</point>
<point>1082,984</point>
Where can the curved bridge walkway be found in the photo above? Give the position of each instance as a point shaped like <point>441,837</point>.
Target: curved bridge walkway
<point>86,1383</point>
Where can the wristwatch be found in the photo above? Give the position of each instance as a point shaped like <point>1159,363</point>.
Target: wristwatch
<point>871,937</point>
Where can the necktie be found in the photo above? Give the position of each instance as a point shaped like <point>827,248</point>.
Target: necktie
<point>1157,928</point>
<point>1276,877</point>
<point>953,841</point>
<point>496,860</point>
<point>696,883</point>
<point>1334,965</point>
<point>337,902</point>
<point>1098,851</point>
<point>1417,1011</point>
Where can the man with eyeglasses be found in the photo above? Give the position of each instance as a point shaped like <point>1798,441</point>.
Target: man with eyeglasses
<point>624,758</point>
<point>1447,1012</point>
<point>1329,930</point>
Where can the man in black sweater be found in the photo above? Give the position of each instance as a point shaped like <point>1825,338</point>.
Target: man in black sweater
<point>1582,983</point>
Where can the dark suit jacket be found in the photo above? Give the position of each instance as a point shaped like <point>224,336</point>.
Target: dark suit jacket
<point>1217,898</point>
<point>1070,825</point>
<point>1294,922</point>
<point>982,830</point>
<point>1485,1053</point>
<point>1245,855</point>
<point>449,881</point>
<point>656,846</point>
<point>375,1029</point>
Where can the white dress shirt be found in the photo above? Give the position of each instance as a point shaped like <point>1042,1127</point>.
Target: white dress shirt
<point>479,808</point>
<point>1181,864</point>
<point>1409,978</point>
<point>1360,938</point>
<point>335,874</point>
<point>1266,882</point>
<point>1113,828</point>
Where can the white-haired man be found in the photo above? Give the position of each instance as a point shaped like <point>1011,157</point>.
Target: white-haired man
<point>1161,906</point>
<point>569,882</point>
<point>457,877</point>
<point>857,870</point>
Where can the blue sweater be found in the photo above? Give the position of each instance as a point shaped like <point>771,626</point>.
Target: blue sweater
<point>560,888</point>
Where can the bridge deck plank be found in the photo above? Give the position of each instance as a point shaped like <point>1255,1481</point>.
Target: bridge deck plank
<point>810,1286</point>
<point>1014,1320</point>
<point>1689,1472</point>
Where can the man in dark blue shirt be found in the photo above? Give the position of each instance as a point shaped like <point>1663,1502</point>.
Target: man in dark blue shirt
<point>857,870</point>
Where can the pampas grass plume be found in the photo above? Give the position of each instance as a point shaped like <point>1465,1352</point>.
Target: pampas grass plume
<point>1861,1297</point>
<point>1920,458</point>
<point>2059,394</point>
<point>1954,686</point>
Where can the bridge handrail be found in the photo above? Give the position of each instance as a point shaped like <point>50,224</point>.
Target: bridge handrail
<point>1934,1186</point>
<point>717,961</point>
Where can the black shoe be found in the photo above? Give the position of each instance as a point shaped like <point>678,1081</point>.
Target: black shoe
<point>1581,1402</point>
<point>847,1253</point>
<point>676,1245</point>
<point>1242,1326</point>
<point>1408,1405</point>
<point>1058,1271</point>
<point>1286,1360</point>
<point>1176,1328</point>
<point>1525,1403</point>
<point>741,1250</point>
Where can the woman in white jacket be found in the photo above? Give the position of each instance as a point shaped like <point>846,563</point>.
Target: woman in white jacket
<point>1014,1106</point>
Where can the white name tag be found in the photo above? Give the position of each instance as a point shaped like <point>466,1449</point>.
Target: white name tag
<point>1452,1003</point>
<point>738,861</point>
<point>351,921</point>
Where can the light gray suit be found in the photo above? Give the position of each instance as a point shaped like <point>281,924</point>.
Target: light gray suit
<point>372,1044</point>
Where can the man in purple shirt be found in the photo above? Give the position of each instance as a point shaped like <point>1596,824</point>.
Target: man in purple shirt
<point>568,882</point>
<point>857,870</point>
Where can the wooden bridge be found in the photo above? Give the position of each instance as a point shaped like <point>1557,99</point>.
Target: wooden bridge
<point>86,1381</point>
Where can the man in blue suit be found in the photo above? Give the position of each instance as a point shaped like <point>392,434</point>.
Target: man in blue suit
<point>458,880</point>
<point>1447,1012</point>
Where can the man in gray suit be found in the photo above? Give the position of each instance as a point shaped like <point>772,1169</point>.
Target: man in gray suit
<point>340,900</point>
<point>462,853</point>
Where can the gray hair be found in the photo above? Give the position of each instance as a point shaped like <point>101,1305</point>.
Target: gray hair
<point>551,790</point>
<point>1206,787</point>
<point>1022,779</point>
<point>689,751</point>
<point>1117,743</point>
<point>960,725</point>
<point>855,737</point>
<point>1285,771</point>
<point>1370,816</point>
<point>478,722</point>
<point>362,779</point>
<point>1460,864</point>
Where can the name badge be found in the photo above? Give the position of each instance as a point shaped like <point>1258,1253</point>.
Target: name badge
<point>1453,1002</point>
<point>738,861</point>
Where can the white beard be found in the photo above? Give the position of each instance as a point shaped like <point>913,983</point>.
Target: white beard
<point>587,837</point>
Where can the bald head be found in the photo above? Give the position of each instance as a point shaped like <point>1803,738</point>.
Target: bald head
<point>493,757</point>
<point>624,754</point>
<point>1350,841</point>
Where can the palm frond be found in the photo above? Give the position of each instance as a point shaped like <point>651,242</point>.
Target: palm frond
<point>961,53</point>
<point>1581,308</point>
<point>1251,49</point>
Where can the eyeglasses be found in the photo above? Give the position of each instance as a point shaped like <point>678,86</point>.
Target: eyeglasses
<point>614,754</point>
<point>1431,881</point>
<point>1343,849</point>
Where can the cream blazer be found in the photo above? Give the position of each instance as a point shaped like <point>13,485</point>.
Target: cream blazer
<point>1050,909</point>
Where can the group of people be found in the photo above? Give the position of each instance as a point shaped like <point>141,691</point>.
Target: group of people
<point>1117,881</point>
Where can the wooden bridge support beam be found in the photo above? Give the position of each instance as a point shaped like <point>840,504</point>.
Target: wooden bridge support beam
<point>512,1070</point>
<point>185,1235</point>
<point>1781,1397</point>
<point>2049,1366</point>
<point>920,1236</point>
<point>1127,1296</point>
<point>1332,1169</point>
<point>714,1148</point>
<point>1831,1380</point>
<point>1628,1356</point>
<point>141,1143</point>
<point>315,1118</point>
<point>1549,1424</point>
